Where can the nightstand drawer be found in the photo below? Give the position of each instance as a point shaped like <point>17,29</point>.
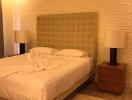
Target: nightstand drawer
<point>111,78</point>
<point>111,74</point>
<point>111,86</point>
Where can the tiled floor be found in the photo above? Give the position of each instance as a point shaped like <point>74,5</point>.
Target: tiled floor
<point>85,97</point>
<point>91,90</point>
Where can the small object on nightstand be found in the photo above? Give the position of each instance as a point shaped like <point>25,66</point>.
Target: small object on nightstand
<point>114,40</point>
<point>111,78</point>
<point>22,38</point>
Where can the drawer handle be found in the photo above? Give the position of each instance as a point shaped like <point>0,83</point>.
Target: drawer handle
<point>111,81</point>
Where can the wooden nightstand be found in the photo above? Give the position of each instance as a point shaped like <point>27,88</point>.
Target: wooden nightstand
<point>111,78</point>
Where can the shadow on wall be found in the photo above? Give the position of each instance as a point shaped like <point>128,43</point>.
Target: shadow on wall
<point>1,33</point>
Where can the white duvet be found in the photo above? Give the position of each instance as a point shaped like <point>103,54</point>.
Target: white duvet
<point>20,80</point>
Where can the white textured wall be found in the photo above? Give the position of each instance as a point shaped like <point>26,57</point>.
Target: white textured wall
<point>28,13</point>
<point>113,14</point>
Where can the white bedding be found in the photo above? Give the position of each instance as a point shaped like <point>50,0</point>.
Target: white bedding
<point>19,80</point>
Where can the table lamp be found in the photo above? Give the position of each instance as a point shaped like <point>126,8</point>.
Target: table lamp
<point>114,40</point>
<point>21,37</point>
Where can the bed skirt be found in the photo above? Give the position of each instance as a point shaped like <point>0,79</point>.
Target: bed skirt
<point>74,87</point>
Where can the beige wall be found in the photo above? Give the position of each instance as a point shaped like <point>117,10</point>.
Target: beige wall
<point>8,26</point>
<point>113,14</point>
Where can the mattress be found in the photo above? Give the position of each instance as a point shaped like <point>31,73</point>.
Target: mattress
<point>18,82</point>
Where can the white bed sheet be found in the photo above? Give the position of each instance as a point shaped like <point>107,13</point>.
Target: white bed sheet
<point>42,85</point>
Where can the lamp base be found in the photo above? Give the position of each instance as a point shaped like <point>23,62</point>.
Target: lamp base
<point>22,48</point>
<point>113,56</point>
<point>113,64</point>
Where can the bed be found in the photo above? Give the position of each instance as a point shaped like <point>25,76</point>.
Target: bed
<point>20,83</point>
<point>77,31</point>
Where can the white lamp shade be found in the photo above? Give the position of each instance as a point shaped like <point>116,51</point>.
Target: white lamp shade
<point>115,39</point>
<point>21,37</point>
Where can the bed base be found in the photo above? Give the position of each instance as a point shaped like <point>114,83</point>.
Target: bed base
<point>74,90</point>
<point>91,79</point>
<point>76,87</point>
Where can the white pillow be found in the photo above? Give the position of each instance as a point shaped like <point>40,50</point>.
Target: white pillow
<point>43,50</point>
<point>71,53</point>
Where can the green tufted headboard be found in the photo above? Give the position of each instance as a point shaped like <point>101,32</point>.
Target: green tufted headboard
<point>73,30</point>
